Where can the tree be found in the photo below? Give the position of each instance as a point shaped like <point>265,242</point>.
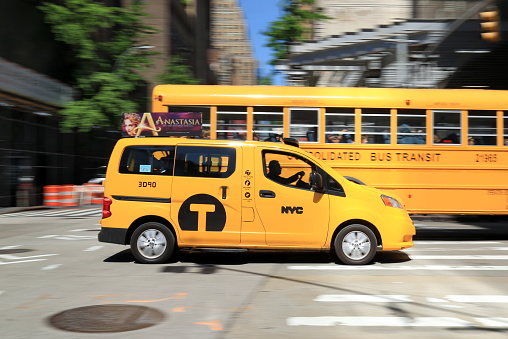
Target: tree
<point>98,35</point>
<point>176,72</point>
<point>294,25</point>
<point>265,80</point>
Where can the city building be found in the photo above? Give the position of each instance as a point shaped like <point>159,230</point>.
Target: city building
<point>182,29</point>
<point>233,60</point>
<point>400,43</point>
<point>34,85</point>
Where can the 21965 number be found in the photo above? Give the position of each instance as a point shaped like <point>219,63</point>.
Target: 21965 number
<point>486,157</point>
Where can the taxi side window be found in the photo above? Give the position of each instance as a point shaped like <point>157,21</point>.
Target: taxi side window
<point>287,169</point>
<point>148,160</point>
<point>332,186</point>
<point>207,162</point>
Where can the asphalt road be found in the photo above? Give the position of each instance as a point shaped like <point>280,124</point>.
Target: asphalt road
<point>58,281</point>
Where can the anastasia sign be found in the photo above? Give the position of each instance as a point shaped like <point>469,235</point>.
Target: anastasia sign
<point>161,124</point>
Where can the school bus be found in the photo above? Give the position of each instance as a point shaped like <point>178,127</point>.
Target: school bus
<point>442,151</point>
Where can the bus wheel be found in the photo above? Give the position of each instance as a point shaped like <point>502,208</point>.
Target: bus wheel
<point>152,243</point>
<point>355,245</point>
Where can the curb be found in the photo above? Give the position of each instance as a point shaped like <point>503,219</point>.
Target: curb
<point>5,210</point>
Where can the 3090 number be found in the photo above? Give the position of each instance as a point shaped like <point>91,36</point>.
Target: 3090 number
<point>151,184</point>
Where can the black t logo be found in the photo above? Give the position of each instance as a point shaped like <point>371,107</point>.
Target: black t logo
<point>202,212</point>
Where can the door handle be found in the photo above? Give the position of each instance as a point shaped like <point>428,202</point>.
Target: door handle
<point>266,194</point>
<point>224,191</point>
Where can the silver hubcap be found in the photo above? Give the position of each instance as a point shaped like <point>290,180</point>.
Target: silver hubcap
<point>356,245</point>
<point>151,243</point>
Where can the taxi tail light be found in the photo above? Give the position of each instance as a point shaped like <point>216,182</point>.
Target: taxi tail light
<point>106,208</point>
<point>391,202</point>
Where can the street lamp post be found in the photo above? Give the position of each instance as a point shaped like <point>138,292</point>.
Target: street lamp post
<point>121,58</point>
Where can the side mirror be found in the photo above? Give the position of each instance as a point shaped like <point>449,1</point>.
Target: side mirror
<point>316,182</point>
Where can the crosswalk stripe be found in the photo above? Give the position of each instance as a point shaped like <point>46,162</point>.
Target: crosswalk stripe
<point>55,213</point>
<point>399,268</point>
<point>377,298</point>
<point>379,321</point>
<point>457,257</point>
<point>422,242</point>
<point>363,298</point>
<point>449,322</point>
<point>478,298</point>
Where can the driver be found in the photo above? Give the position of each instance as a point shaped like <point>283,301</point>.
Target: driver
<point>274,171</point>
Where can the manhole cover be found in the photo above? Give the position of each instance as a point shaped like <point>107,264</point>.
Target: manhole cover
<point>106,318</point>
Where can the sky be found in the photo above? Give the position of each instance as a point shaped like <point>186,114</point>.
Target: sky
<point>259,14</point>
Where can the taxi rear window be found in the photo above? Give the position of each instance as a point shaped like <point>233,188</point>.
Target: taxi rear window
<point>204,161</point>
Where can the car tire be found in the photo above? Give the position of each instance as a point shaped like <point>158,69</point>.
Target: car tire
<point>355,244</point>
<point>152,243</point>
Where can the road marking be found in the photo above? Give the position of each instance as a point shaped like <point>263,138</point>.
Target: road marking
<point>363,298</point>
<point>14,257</point>
<point>68,237</point>
<point>51,267</point>
<point>458,257</point>
<point>19,261</point>
<point>214,325</point>
<point>478,298</point>
<point>379,321</point>
<point>417,242</point>
<point>493,322</point>
<point>455,242</point>
<point>86,229</point>
<point>93,248</point>
<point>387,298</point>
<point>9,247</point>
<point>400,268</point>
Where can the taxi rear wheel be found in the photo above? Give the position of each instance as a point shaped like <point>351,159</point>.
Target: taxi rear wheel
<point>152,243</point>
<point>355,245</point>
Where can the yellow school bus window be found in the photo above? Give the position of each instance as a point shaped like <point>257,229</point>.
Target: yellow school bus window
<point>202,161</point>
<point>232,122</point>
<point>268,123</point>
<point>340,125</point>
<point>148,160</point>
<point>482,128</point>
<point>447,127</point>
<point>287,169</point>
<point>205,115</point>
<point>411,126</point>
<point>505,128</point>
<point>304,124</point>
<point>375,126</point>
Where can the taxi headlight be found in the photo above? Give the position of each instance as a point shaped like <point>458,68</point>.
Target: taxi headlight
<point>389,201</point>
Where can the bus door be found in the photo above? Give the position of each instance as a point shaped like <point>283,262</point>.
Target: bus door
<point>292,214</point>
<point>205,197</point>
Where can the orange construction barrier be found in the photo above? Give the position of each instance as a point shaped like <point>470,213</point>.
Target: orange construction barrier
<point>60,196</point>
<point>68,196</point>
<point>51,195</point>
<point>96,192</point>
<point>73,195</point>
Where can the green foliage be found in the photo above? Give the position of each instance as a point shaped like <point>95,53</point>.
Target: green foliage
<point>177,73</point>
<point>294,25</point>
<point>265,80</point>
<point>99,36</point>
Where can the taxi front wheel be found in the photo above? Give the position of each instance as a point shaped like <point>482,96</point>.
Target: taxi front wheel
<point>355,245</point>
<point>152,243</point>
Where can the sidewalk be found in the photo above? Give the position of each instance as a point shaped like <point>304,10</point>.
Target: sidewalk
<point>5,210</point>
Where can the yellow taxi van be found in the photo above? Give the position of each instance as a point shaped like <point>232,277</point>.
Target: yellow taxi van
<point>165,194</point>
